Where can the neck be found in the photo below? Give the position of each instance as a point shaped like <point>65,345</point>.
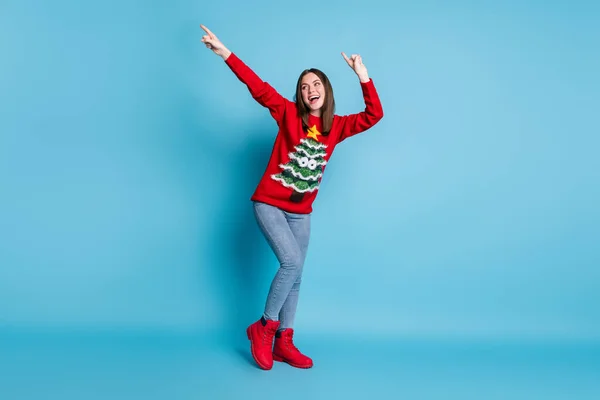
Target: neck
<point>316,113</point>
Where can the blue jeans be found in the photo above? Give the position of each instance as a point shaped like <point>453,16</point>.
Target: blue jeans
<point>288,235</point>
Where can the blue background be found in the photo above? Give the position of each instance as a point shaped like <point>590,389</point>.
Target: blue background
<point>128,153</point>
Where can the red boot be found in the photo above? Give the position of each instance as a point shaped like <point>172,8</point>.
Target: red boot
<point>285,351</point>
<point>261,335</point>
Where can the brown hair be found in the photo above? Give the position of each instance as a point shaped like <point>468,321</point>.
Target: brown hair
<point>328,108</point>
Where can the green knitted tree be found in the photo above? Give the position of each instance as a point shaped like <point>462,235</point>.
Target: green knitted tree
<point>305,168</point>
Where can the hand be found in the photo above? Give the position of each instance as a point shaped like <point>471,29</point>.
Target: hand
<point>212,42</point>
<point>355,62</point>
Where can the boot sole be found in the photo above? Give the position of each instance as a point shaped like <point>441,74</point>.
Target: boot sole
<point>281,359</point>
<point>266,368</point>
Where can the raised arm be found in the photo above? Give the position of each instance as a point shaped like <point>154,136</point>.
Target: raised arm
<point>360,122</point>
<point>261,91</point>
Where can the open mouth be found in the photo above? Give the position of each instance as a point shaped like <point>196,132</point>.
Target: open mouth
<point>313,99</point>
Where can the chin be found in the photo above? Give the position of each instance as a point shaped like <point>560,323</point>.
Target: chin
<point>316,107</point>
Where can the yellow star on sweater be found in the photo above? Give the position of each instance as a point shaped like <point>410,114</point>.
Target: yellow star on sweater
<point>313,133</point>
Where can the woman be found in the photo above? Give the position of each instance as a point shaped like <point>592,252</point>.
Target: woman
<point>308,133</point>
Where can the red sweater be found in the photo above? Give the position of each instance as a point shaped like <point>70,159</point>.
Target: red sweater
<point>293,174</point>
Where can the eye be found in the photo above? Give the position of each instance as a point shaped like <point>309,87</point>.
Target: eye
<point>318,84</point>
<point>312,164</point>
<point>303,162</point>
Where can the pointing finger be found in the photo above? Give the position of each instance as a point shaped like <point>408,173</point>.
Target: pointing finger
<point>212,35</point>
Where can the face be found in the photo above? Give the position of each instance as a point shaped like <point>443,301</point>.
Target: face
<point>313,93</point>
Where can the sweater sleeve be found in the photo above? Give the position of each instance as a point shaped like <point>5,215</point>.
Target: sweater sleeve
<point>261,91</point>
<point>360,122</point>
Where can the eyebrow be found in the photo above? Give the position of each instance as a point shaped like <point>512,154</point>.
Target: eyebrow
<point>316,80</point>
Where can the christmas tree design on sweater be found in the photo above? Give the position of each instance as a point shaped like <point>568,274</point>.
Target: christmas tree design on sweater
<point>304,170</point>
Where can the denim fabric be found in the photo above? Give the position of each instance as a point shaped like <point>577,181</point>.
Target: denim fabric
<point>288,235</point>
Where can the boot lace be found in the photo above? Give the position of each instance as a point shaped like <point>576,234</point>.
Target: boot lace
<point>289,344</point>
<point>267,337</point>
